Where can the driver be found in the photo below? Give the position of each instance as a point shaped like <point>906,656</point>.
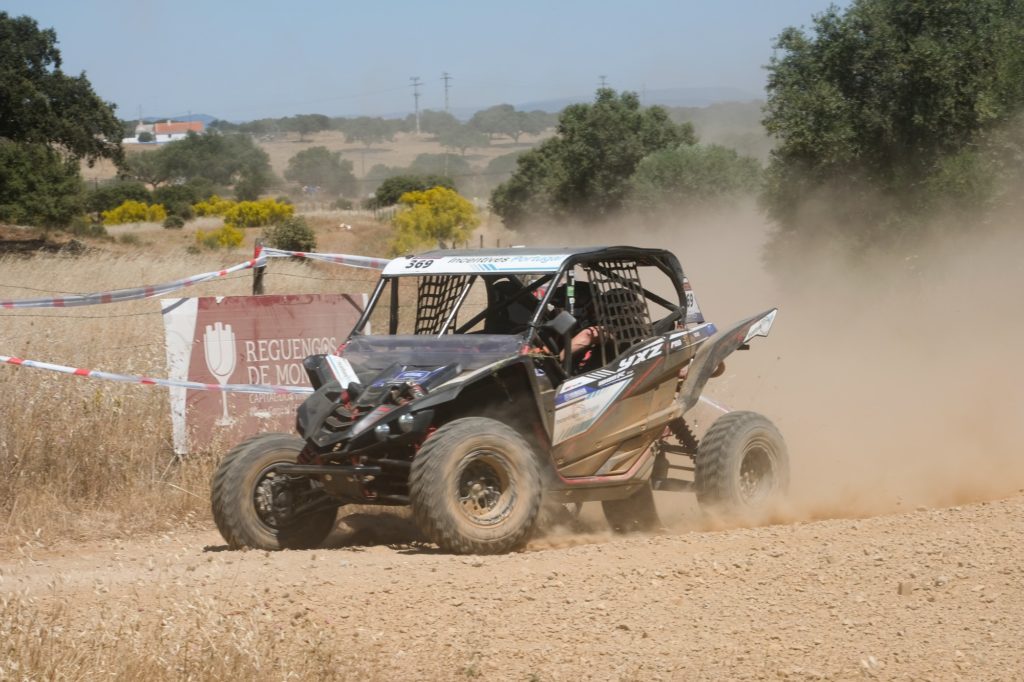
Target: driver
<point>589,334</point>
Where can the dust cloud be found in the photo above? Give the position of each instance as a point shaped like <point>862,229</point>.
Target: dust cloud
<point>895,377</point>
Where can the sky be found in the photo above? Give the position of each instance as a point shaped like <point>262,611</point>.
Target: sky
<point>245,60</point>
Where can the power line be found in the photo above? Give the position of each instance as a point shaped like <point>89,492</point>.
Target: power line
<point>445,77</point>
<point>415,80</point>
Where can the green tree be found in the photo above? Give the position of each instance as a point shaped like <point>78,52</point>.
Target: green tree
<point>148,167</point>
<point>500,119</point>
<point>43,105</point>
<point>179,198</point>
<point>503,119</point>
<point>368,130</point>
<point>692,174</point>
<point>307,124</point>
<point>583,172</point>
<point>437,216</point>
<point>869,108</point>
<point>462,137</point>
<point>436,122</point>
<point>440,164</point>
<point>49,121</point>
<point>230,159</point>
<point>146,136</point>
<point>391,190</point>
<point>38,186</point>
<point>320,167</point>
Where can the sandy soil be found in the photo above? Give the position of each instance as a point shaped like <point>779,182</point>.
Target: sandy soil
<point>930,594</point>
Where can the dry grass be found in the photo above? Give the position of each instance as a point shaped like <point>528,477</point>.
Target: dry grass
<point>183,640</point>
<point>83,458</point>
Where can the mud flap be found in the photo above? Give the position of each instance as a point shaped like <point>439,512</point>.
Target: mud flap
<point>716,349</point>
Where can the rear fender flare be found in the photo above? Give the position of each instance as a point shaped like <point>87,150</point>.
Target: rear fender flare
<point>713,351</point>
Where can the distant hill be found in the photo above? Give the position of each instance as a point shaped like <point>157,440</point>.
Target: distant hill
<point>205,118</point>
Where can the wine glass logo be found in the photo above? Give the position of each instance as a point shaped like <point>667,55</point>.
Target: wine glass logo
<point>219,345</point>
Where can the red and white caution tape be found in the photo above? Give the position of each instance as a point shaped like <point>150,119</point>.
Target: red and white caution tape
<point>150,381</point>
<point>367,262</point>
<point>133,294</point>
<point>153,290</point>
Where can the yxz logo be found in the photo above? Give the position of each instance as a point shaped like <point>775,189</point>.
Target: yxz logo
<point>642,355</point>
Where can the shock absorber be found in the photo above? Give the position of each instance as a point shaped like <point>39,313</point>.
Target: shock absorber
<point>681,430</point>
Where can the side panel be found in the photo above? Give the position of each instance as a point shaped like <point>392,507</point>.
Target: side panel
<point>606,419</point>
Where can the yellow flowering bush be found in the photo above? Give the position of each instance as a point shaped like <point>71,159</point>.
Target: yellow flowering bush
<point>437,217</point>
<point>132,211</point>
<point>213,206</point>
<point>257,213</point>
<point>225,237</point>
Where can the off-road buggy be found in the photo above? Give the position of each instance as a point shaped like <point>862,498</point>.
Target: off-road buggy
<point>474,410</point>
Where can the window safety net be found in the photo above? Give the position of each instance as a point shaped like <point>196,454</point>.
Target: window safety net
<point>435,300</point>
<point>620,302</point>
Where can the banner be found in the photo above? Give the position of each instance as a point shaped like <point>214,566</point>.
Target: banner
<point>259,340</point>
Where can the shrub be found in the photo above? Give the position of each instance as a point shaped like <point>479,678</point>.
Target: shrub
<point>110,195</point>
<point>132,211</point>
<point>257,213</point>
<point>178,199</point>
<point>174,222</point>
<point>213,206</point>
<point>81,226</point>
<point>343,204</point>
<point>392,189</point>
<point>294,234</point>
<point>225,237</point>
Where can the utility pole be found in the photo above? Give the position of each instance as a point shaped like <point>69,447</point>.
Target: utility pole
<point>415,80</point>
<point>445,77</point>
<point>604,81</point>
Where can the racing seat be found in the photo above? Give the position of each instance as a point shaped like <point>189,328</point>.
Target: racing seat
<point>509,308</point>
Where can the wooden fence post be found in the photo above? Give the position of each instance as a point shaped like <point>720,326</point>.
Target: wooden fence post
<point>257,272</point>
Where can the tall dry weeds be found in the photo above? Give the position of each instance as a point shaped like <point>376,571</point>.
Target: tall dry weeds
<point>84,458</point>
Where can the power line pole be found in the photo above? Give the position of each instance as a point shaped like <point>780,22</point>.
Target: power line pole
<point>415,80</point>
<point>604,81</point>
<point>445,77</point>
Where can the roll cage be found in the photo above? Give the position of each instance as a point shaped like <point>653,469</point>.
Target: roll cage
<point>520,289</point>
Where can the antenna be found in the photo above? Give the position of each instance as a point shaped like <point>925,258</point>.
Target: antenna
<point>415,81</point>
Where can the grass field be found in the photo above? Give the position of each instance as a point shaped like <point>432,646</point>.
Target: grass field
<point>83,458</point>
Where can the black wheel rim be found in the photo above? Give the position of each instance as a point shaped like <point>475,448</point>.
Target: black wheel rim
<point>485,492</point>
<point>757,472</point>
<point>275,496</point>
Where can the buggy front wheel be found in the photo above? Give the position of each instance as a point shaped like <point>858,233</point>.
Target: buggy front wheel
<point>253,506</point>
<point>475,487</point>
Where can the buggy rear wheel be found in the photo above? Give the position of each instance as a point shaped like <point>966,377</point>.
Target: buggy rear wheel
<point>741,466</point>
<point>255,507</point>
<point>475,487</point>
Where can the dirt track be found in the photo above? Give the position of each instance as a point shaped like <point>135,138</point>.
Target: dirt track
<point>930,594</point>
